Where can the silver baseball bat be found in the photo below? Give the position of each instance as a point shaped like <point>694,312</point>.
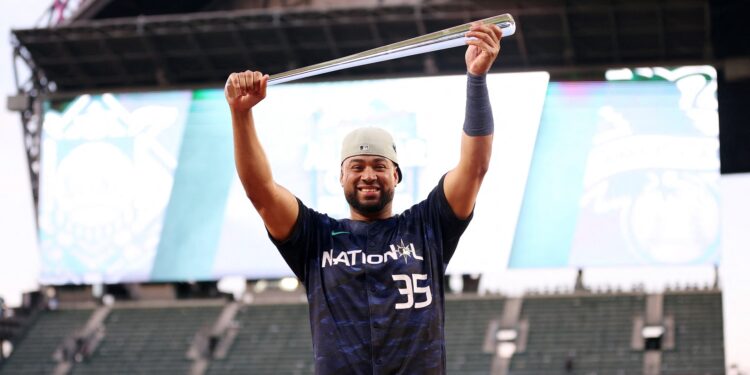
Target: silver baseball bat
<point>439,40</point>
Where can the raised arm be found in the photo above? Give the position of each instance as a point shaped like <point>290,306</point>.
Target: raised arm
<point>462,183</point>
<point>277,206</point>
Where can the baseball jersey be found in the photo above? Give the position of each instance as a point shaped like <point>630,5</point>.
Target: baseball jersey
<point>375,289</point>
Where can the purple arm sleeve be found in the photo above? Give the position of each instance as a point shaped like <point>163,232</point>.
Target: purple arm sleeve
<point>478,121</point>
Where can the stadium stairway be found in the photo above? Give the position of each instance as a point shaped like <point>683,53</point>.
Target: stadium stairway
<point>148,340</point>
<point>466,322</point>
<point>699,333</point>
<point>273,339</point>
<point>34,354</point>
<point>580,333</point>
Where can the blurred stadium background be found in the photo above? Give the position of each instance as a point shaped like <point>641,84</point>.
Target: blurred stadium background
<point>610,237</point>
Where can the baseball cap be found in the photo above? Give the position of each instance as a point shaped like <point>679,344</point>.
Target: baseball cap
<point>370,141</point>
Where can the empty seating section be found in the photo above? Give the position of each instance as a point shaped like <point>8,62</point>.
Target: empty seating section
<point>148,340</point>
<point>276,339</point>
<point>33,355</point>
<point>699,334</point>
<point>466,322</point>
<point>588,334</point>
<point>273,339</point>
<point>567,334</point>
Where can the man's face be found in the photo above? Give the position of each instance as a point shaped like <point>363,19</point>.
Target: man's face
<point>369,183</point>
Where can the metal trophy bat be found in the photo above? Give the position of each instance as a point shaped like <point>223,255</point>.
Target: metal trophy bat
<point>439,40</point>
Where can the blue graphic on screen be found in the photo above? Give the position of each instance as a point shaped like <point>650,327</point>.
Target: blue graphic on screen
<point>106,177</point>
<point>623,173</point>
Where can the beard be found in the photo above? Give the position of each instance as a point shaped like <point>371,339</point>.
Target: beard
<point>370,207</point>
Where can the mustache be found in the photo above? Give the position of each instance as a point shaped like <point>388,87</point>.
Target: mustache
<point>374,183</point>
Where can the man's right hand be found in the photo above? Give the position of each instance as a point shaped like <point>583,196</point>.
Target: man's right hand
<point>244,90</point>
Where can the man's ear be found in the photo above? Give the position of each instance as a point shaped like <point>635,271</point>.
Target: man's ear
<point>341,175</point>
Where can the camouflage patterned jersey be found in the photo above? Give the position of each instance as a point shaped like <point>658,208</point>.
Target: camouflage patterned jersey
<point>375,290</point>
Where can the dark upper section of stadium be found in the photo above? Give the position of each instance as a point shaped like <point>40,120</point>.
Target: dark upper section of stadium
<point>115,45</point>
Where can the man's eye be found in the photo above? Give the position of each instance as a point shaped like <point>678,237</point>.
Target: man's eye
<point>380,167</point>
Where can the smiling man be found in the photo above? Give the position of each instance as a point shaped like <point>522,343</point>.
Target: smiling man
<point>374,281</point>
<point>369,173</point>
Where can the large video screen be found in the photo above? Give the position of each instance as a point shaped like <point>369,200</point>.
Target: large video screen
<point>142,186</point>
<point>624,174</point>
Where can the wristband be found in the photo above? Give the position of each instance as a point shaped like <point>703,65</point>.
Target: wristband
<point>478,120</point>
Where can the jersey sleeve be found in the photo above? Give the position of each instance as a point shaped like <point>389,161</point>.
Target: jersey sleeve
<point>452,227</point>
<point>298,247</point>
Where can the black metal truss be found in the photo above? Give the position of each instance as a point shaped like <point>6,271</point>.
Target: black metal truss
<point>31,86</point>
<point>201,49</point>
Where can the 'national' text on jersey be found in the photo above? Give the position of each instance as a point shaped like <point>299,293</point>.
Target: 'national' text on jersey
<point>351,257</point>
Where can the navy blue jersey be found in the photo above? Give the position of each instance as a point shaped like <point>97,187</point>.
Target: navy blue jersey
<point>375,290</point>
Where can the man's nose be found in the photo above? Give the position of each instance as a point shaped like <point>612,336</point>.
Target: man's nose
<point>369,174</point>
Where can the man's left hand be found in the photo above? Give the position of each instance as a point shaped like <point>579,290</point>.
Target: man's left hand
<point>483,49</point>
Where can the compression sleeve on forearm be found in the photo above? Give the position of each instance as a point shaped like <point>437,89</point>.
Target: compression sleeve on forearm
<point>478,121</point>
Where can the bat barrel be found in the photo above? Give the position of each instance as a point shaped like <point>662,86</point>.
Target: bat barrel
<point>439,40</point>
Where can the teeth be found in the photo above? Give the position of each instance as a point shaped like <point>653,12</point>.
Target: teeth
<point>367,190</point>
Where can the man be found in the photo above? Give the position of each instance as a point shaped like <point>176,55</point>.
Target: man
<point>375,281</point>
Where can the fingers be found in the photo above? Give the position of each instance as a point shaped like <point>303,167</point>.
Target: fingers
<point>486,33</point>
<point>263,85</point>
<point>498,32</point>
<point>492,49</point>
<point>492,30</point>
<point>233,89</point>
<point>484,47</point>
<point>256,81</point>
<point>486,37</point>
<point>246,83</point>
<point>483,44</point>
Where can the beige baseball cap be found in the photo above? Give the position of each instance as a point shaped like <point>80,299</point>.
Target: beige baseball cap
<point>370,141</point>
